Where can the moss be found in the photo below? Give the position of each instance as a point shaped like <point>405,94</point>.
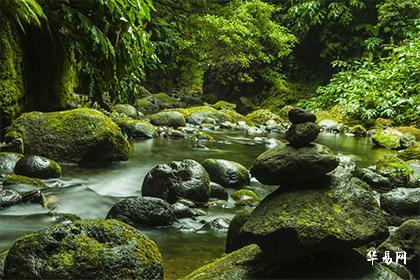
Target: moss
<point>357,130</point>
<point>224,105</point>
<point>200,114</point>
<point>410,129</point>
<point>11,72</point>
<point>386,140</point>
<point>137,129</point>
<point>284,112</point>
<point>79,135</point>
<point>145,106</point>
<point>261,116</point>
<point>199,136</point>
<point>236,117</point>
<point>395,169</point>
<point>381,123</point>
<point>168,118</point>
<point>245,197</point>
<point>410,153</point>
<point>18,179</point>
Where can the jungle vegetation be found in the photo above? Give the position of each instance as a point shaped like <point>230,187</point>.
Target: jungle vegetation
<point>362,55</point>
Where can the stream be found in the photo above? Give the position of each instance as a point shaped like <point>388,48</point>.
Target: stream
<point>91,192</point>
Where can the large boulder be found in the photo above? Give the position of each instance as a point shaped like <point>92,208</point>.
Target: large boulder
<point>286,164</point>
<point>373,179</point>
<point>77,136</point>
<point>37,167</point>
<point>410,153</point>
<point>262,116</point>
<point>204,114</point>
<point>337,214</point>
<point>406,239</point>
<point>386,140</point>
<point>395,169</point>
<point>143,212</point>
<point>126,110</point>
<point>178,179</point>
<point>298,115</point>
<point>8,162</point>
<point>245,197</point>
<point>171,118</point>
<point>227,173</point>
<point>137,129</point>
<point>234,241</point>
<point>402,203</point>
<point>302,134</point>
<point>101,249</point>
<point>23,180</point>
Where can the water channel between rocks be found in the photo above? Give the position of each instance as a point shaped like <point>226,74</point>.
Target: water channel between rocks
<point>91,192</point>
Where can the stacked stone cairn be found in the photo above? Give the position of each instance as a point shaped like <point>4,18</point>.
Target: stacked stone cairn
<point>311,225</point>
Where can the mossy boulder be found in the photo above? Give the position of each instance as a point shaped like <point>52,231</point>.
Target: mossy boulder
<point>164,101</point>
<point>286,164</point>
<point>338,214</point>
<point>9,198</point>
<point>8,162</point>
<point>227,173</point>
<point>409,129</point>
<point>245,197</point>
<point>178,179</point>
<point>357,130</point>
<point>137,129</point>
<point>410,153</point>
<point>284,111</point>
<point>168,118</point>
<point>236,117</point>
<point>203,114</point>
<point>218,191</point>
<point>77,136</point>
<point>218,224</point>
<point>224,105</point>
<point>126,110</point>
<point>23,180</point>
<point>373,179</point>
<point>233,238</point>
<point>405,239</point>
<point>37,167</point>
<point>386,140</point>
<point>146,106</point>
<point>261,116</point>
<point>382,123</point>
<point>143,212</point>
<point>402,204</point>
<point>301,134</point>
<point>395,169</point>
<point>97,249</point>
<point>407,140</point>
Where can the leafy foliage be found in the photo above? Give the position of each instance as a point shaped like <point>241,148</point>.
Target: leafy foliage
<point>376,87</point>
<point>23,11</point>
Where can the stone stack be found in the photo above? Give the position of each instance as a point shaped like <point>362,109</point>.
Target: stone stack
<point>313,211</point>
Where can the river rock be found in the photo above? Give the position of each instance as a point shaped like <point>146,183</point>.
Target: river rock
<point>227,173</point>
<point>13,180</point>
<point>14,146</point>
<point>8,162</point>
<point>77,136</point>
<point>184,210</point>
<point>127,110</point>
<point>245,197</point>
<point>218,224</point>
<point>233,239</point>
<point>395,169</point>
<point>204,114</point>
<point>171,118</point>
<point>9,198</point>
<point>338,214</point>
<point>386,140</point>
<point>286,164</point>
<point>137,129</point>
<point>410,153</point>
<point>406,238</point>
<point>298,115</point>
<point>373,179</point>
<point>407,140</point>
<point>178,179</point>
<point>94,249</point>
<point>143,212</point>
<point>218,191</point>
<point>37,167</point>
<point>302,134</point>
<point>404,203</point>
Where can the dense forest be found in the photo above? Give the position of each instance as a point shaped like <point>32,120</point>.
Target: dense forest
<point>178,118</point>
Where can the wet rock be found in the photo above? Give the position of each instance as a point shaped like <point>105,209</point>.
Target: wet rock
<point>171,118</point>
<point>218,224</point>
<point>298,115</point>
<point>175,134</point>
<point>262,116</point>
<point>22,180</point>
<point>235,117</point>
<point>373,179</point>
<point>302,134</point>
<point>127,110</point>
<point>330,125</point>
<point>245,197</point>
<point>64,218</point>
<point>405,239</point>
<point>137,129</point>
<point>357,130</point>
<point>395,169</point>
<point>224,105</point>
<point>338,214</point>
<point>286,164</point>
<point>403,203</point>
<point>227,173</point>
<point>37,167</point>
<point>204,114</point>
<point>146,106</point>
<point>143,212</point>
<point>410,153</point>
<point>98,249</point>
<point>218,191</point>
<point>182,210</point>
<point>178,179</point>
<point>386,140</point>
<point>9,198</point>
<point>8,162</point>
<point>77,136</point>
<point>14,146</point>
<point>407,140</point>
<point>233,239</point>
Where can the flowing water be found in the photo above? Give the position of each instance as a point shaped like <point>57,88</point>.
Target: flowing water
<point>91,192</point>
